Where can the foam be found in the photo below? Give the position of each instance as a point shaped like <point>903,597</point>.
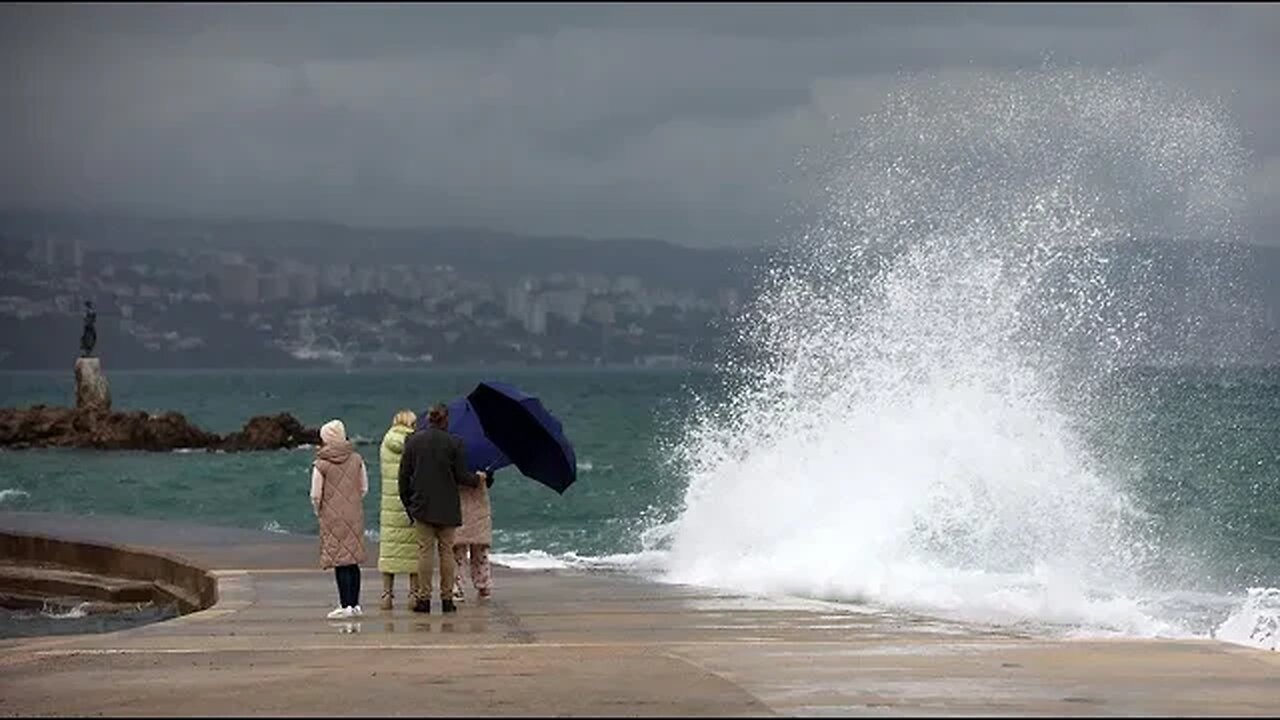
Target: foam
<point>8,494</point>
<point>1257,621</point>
<point>906,425</point>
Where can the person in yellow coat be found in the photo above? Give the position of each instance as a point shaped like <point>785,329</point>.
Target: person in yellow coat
<point>397,544</point>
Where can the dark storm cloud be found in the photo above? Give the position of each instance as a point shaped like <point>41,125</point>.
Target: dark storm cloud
<point>680,121</point>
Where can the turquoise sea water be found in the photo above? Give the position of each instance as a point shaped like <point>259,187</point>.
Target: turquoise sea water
<point>613,418</point>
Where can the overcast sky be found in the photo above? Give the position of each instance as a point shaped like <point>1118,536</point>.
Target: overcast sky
<point>682,122</point>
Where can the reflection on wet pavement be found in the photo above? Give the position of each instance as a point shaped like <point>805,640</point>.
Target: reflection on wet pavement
<point>470,626</point>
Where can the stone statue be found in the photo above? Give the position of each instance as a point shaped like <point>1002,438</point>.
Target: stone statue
<point>90,336</point>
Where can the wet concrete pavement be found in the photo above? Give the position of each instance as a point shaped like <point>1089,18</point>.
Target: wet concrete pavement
<point>571,643</point>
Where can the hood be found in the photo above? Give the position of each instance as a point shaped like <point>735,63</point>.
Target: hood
<point>333,431</point>
<point>336,453</point>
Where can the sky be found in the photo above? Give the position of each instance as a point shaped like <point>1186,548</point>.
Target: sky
<point>681,122</point>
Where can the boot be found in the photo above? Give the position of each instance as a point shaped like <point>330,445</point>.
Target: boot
<point>447,606</point>
<point>421,598</point>
<point>388,590</point>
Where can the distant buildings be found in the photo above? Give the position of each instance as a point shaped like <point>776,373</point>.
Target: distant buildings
<point>333,278</point>
<point>531,305</point>
<point>566,304</point>
<point>520,302</point>
<point>424,311</point>
<point>52,253</point>
<point>364,281</point>
<point>237,284</point>
<point>628,284</point>
<point>273,287</point>
<point>304,287</point>
<point>600,311</point>
<point>536,322</point>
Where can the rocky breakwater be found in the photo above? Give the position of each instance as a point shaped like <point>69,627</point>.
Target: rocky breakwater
<point>91,427</point>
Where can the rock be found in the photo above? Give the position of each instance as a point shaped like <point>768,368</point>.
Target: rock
<point>38,426</point>
<point>42,426</point>
<point>92,391</point>
<point>91,424</point>
<point>143,431</point>
<point>271,432</point>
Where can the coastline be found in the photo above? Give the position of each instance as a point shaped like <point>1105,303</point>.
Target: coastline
<point>580,643</point>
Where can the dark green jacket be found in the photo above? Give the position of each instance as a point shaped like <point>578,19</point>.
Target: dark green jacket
<point>432,467</point>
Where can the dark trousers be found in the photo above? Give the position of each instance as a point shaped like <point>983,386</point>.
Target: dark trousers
<point>348,577</point>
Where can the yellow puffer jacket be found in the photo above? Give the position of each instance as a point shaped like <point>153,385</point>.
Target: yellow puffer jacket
<point>397,546</point>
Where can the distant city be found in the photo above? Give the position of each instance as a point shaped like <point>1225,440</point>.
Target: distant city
<point>259,294</point>
<point>190,302</point>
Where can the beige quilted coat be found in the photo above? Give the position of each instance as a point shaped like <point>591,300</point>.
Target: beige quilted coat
<point>477,519</point>
<point>341,511</point>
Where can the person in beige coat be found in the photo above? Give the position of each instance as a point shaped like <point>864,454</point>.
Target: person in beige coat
<point>339,482</point>
<point>474,538</point>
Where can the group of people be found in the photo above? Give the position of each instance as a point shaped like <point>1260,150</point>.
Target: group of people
<point>436,508</point>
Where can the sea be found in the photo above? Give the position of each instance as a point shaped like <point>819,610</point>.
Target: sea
<point>1204,473</point>
<point>988,381</point>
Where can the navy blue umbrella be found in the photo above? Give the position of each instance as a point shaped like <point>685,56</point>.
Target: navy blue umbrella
<point>463,422</point>
<point>521,429</point>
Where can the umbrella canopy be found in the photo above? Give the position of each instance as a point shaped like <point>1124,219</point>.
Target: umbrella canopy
<point>522,430</point>
<point>481,453</point>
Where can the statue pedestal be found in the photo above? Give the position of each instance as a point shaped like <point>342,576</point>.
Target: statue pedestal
<point>92,391</point>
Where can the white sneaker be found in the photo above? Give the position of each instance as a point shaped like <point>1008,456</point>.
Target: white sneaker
<point>357,612</point>
<point>458,595</point>
<point>339,613</point>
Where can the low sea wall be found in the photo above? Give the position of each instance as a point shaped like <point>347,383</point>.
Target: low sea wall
<point>189,587</point>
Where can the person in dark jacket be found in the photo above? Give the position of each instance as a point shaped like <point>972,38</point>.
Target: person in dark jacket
<point>431,469</point>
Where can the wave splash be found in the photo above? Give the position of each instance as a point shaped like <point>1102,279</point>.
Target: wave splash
<point>9,494</point>
<point>1256,623</point>
<point>72,613</point>
<point>645,562</point>
<point>907,425</point>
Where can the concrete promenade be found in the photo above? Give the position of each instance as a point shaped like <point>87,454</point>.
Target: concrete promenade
<point>570,643</point>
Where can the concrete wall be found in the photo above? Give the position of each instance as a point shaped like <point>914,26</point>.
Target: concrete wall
<point>190,587</point>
